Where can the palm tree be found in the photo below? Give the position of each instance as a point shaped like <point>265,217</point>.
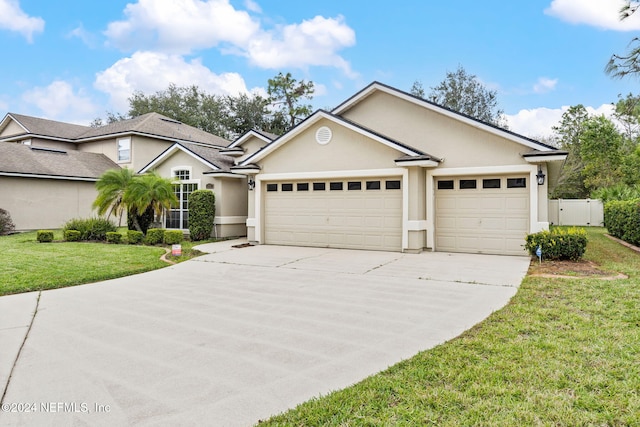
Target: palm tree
<point>111,187</point>
<point>149,191</point>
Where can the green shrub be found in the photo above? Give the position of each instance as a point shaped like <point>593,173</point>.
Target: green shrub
<point>44,236</point>
<point>155,236</point>
<point>558,243</point>
<point>173,237</point>
<point>202,212</point>
<point>622,219</point>
<point>72,235</point>
<point>114,237</point>
<point>90,228</point>
<point>135,237</point>
<point>6,225</point>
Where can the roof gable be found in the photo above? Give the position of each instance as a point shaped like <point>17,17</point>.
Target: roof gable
<point>209,156</point>
<point>264,136</point>
<point>340,121</point>
<point>377,86</point>
<point>44,127</point>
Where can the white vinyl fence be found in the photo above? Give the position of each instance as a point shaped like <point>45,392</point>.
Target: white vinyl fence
<point>583,212</point>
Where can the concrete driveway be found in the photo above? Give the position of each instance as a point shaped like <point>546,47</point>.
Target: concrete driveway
<point>236,335</point>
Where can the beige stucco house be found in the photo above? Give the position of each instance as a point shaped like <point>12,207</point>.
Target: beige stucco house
<point>388,171</point>
<point>51,177</point>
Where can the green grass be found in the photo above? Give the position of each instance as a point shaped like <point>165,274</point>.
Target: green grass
<point>27,265</point>
<point>562,352</point>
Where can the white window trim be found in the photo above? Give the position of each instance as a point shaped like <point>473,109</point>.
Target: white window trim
<point>118,159</point>
<point>183,168</point>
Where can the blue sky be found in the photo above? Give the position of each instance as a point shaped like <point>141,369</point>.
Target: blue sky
<point>74,60</point>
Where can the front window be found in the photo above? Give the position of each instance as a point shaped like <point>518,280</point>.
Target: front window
<point>182,174</point>
<point>124,149</point>
<point>178,216</point>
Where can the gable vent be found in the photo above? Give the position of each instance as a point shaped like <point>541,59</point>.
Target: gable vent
<point>323,135</point>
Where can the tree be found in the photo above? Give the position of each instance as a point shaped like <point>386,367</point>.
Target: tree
<point>121,190</point>
<point>462,92</point>
<point>568,132</point>
<point>417,89</point>
<point>601,152</point>
<point>111,118</point>
<point>286,95</point>
<point>149,191</point>
<point>627,114</point>
<point>111,187</point>
<point>620,66</point>
<point>245,112</point>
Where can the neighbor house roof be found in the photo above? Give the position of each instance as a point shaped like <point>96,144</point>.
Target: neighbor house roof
<point>38,162</point>
<point>151,124</point>
<point>210,156</point>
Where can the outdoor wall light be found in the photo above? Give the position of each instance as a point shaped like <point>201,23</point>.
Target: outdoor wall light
<point>252,184</point>
<point>540,176</point>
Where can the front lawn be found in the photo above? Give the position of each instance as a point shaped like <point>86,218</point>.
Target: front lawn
<point>562,352</point>
<point>27,265</point>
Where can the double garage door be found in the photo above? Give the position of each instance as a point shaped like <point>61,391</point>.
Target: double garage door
<point>358,213</point>
<point>482,214</point>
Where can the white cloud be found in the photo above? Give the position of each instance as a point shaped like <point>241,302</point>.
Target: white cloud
<point>150,72</point>
<point>545,85</point>
<point>537,122</point>
<point>184,26</point>
<point>252,6</point>
<point>603,14</point>
<point>86,37</point>
<point>13,18</point>
<point>59,101</point>
<point>313,42</point>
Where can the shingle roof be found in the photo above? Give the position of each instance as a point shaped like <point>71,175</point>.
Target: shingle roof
<point>152,124</point>
<point>24,159</point>
<point>211,154</point>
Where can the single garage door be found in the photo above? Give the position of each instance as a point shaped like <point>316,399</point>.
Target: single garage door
<point>340,213</point>
<point>482,214</point>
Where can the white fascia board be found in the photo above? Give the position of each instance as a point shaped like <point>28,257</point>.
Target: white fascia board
<point>547,158</point>
<point>64,178</point>
<point>456,116</point>
<point>317,116</point>
<point>482,170</point>
<point>215,174</point>
<point>421,163</point>
<point>331,174</point>
<point>169,152</point>
<point>244,138</point>
<point>247,171</point>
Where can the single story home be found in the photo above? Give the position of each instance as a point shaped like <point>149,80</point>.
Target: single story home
<point>48,169</point>
<point>386,170</point>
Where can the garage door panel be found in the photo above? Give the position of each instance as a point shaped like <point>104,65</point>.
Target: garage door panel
<point>366,219</point>
<point>482,220</point>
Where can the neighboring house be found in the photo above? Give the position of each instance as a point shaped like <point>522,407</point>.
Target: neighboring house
<point>147,142</point>
<point>389,171</point>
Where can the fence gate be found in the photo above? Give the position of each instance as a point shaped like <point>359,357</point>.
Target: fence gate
<point>582,212</point>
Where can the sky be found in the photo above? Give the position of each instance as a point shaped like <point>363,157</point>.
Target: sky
<point>76,60</point>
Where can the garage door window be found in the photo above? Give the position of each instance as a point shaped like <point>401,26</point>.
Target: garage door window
<point>373,185</point>
<point>272,187</point>
<point>491,183</point>
<point>516,182</point>
<point>354,185</point>
<point>302,186</point>
<point>319,186</point>
<point>287,187</point>
<point>392,185</point>
<point>468,184</point>
<point>335,186</point>
<point>445,185</point>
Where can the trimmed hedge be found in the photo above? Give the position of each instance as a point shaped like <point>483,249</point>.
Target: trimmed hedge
<point>90,228</point>
<point>155,236</point>
<point>114,237</point>
<point>622,219</point>
<point>558,243</point>
<point>135,237</point>
<point>72,235</point>
<point>173,237</point>
<point>44,236</point>
<point>202,213</point>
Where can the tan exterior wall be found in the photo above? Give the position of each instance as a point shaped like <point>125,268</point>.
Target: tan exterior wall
<point>250,146</point>
<point>12,129</point>
<point>458,143</point>
<point>143,150</point>
<point>45,203</point>
<point>347,150</point>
